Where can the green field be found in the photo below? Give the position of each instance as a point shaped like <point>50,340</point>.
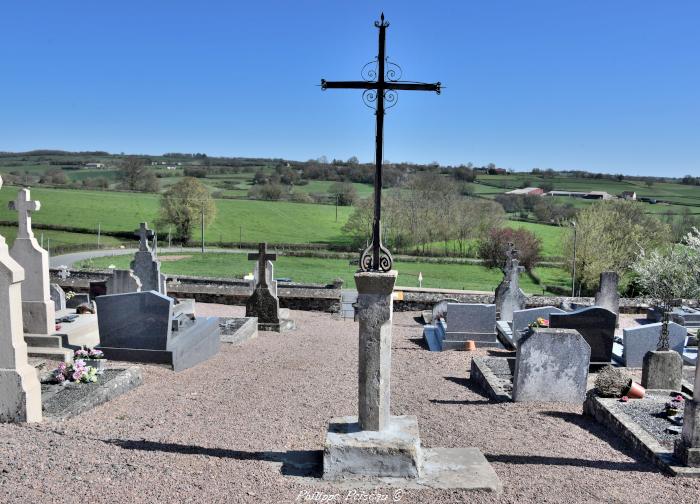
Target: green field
<point>305,269</point>
<point>55,239</point>
<point>251,221</point>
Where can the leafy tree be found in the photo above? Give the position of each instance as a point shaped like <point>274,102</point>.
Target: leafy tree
<point>345,192</point>
<point>670,274</point>
<point>609,235</point>
<point>492,250</point>
<point>182,206</point>
<point>135,176</point>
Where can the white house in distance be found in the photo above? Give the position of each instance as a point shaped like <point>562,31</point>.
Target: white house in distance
<point>94,165</point>
<point>629,195</point>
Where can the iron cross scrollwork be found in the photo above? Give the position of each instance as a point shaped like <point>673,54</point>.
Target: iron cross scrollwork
<point>382,80</point>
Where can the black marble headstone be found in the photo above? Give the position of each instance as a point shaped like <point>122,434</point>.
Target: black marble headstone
<point>596,325</point>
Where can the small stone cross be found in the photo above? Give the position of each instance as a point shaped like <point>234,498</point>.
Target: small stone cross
<point>24,207</point>
<point>262,257</point>
<point>144,234</point>
<point>63,273</point>
<point>512,263</point>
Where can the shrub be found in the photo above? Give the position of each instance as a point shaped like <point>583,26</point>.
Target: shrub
<point>492,250</point>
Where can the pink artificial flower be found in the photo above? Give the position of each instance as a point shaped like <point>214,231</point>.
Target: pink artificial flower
<point>77,375</point>
<point>59,377</point>
<point>79,364</point>
<point>624,398</point>
<point>679,398</point>
<point>62,367</point>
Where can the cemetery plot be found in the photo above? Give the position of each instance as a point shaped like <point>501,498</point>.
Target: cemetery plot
<point>64,401</point>
<point>643,424</point>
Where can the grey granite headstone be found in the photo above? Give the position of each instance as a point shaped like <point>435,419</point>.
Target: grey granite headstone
<point>637,341</point>
<point>141,327</point>
<point>58,297</point>
<point>75,299</point>
<point>686,316</point>
<point>523,318</point>
<point>596,325</point>
<point>122,282</point>
<point>475,322</point>
<point>608,296</point>
<point>551,365</point>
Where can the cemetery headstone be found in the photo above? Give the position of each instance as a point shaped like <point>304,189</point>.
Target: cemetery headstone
<point>637,341</point>
<point>269,276</point>
<point>509,295</point>
<point>142,327</point>
<point>687,448</point>
<point>475,322</point>
<point>596,325</point>
<point>523,318</point>
<point>608,296</point>
<point>122,282</point>
<point>38,313</point>
<point>20,390</point>
<point>145,265</point>
<point>551,365</point>
<point>440,309</point>
<point>58,296</point>
<point>263,303</point>
<point>97,288</point>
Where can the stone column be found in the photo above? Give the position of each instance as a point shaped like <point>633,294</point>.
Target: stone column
<point>38,312</point>
<point>688,446</point>
<point>375,308</point>
<point>20,391</point>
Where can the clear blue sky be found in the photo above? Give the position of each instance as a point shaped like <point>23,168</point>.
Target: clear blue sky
<point>599,85</point>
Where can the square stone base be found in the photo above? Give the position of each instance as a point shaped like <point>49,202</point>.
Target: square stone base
<point>351,453</point>
<point>688,456</point>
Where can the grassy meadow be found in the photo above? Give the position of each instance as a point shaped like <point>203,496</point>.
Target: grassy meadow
<point>315,270</point>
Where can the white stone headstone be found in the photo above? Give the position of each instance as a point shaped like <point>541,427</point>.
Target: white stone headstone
<point>269,276</point>
<point>38,313</point>
<point>20,390</point>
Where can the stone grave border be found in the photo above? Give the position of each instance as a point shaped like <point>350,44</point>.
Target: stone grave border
<point>128,379</point>
<point>634,435</point>
<point>481,374</point>
<point>248,330</point>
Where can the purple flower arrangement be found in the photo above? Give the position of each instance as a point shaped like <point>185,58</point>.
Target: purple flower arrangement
<point>674,405</point>
<point>89,353</point>
<point>76,372</point>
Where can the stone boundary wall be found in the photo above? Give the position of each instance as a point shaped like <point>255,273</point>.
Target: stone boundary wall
<point>326,298</point>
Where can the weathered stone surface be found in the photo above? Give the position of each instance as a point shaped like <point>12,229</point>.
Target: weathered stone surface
<point>439,311</point>
<point>73,300</point>
<point>596,325</point>
<point>662,370</point>
<point>145,265</point>
<point>551,365</point>
<point>138,327</point>
<point>20,390</point>
<point>269,276</point>
<point>688,447</point>
<point>58,297</point>
<point>374,303</point>
<point>608,296</point>
<point>122,282</point>
<point>38,311</point>
<point>523,318</point>
<point>351,452</point>
<point>509,297</point>
<point>238,330</point>
<point>637,341</point>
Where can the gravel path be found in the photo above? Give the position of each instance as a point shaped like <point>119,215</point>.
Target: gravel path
<point>218,432</point>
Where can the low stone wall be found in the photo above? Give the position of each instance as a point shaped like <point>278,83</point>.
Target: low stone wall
<point>230,291</point>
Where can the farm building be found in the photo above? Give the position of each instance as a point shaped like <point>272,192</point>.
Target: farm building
<point>527,191</point>
<point>629,195</point>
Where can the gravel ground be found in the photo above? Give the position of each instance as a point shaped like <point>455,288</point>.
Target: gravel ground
<point>649,414</point>
<point>218,432</point>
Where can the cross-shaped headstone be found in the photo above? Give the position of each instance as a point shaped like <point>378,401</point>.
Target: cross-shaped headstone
<point>144,234</point>
<point>24,207</point>
<point>262,257</point>
<point>380,85</point>
<point>63,272</point>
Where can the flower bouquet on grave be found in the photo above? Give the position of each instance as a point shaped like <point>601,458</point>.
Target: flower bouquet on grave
<point>540,322</point>
<point>92,357</point>
<point>674,405</point>
<point>77,372</point>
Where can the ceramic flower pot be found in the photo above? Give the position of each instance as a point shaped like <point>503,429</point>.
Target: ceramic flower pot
<point>634,390</point>
<point>470,345</point>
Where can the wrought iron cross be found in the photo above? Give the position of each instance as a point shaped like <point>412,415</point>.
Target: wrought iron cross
<point>24,207</point>
<point>262,257</point>
<point>144,234</point>
<point>382,79</point>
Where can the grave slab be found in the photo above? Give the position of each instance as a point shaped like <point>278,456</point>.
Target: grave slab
<point>238,330</point>
<point>551,365</point>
